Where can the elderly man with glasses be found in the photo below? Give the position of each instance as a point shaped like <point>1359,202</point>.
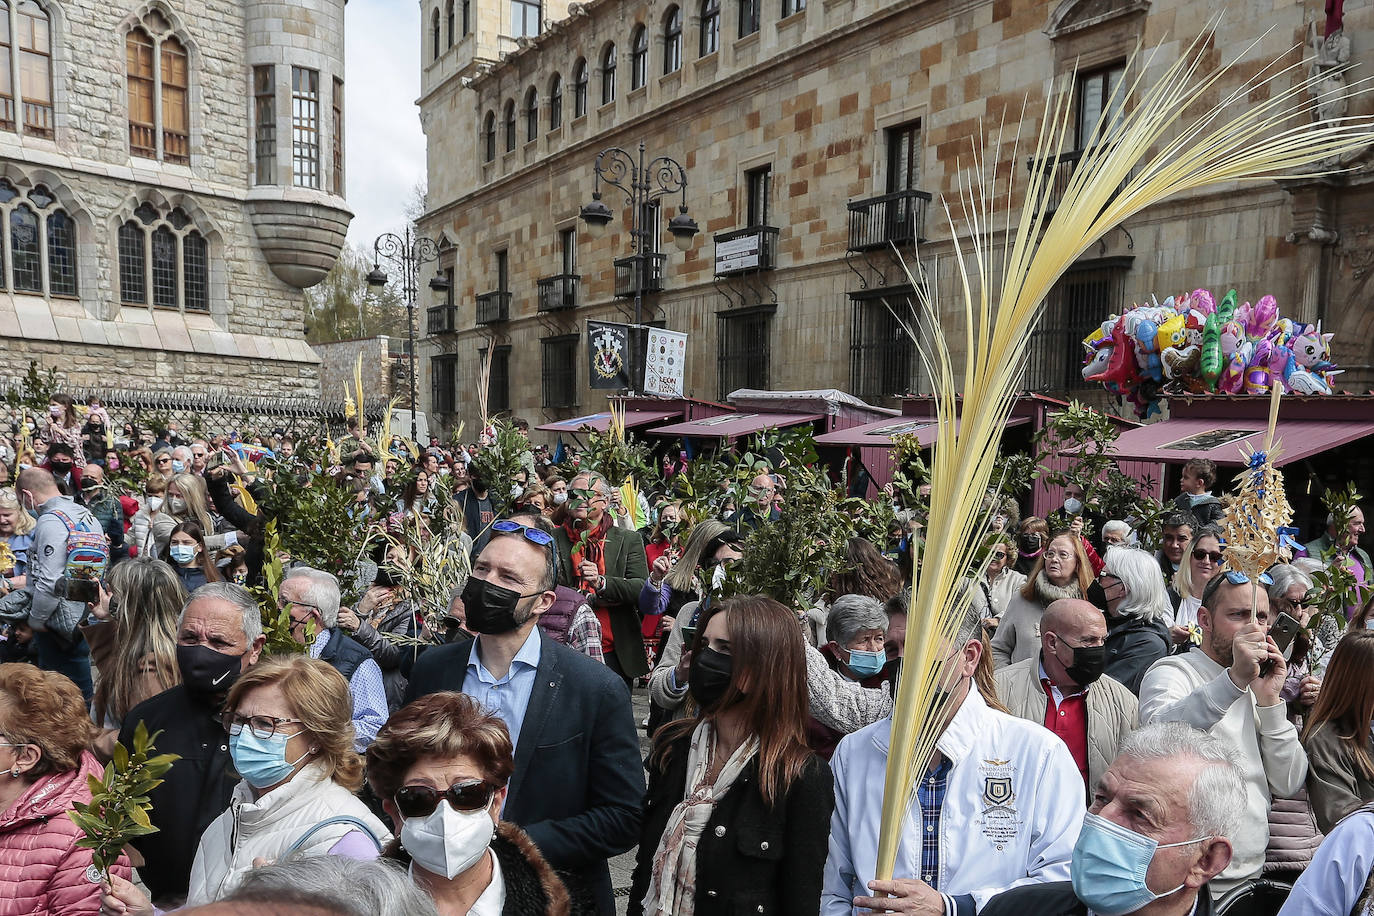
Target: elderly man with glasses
<point>1231,689</point>
<point>578,780</point>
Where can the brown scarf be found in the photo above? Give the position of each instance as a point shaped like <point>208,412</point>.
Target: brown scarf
<point>588,545</point>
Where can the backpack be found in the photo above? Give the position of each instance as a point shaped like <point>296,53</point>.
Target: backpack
<point>88,553</point>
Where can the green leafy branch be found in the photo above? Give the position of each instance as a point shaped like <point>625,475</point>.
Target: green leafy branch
<point>34,390</point>
<point>119,805</point>
<point>276,619</point>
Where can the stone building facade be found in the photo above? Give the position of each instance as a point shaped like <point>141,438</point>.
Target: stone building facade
<point>171,178</point>
<point>385,368</point>
<point>815,136</point>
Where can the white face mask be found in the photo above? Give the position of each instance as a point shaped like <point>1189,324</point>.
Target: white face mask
<point>1073,506</point>
<point>560,497</point>
<point>155,503</point>
<point>177,505</point>
<point>448,842</point>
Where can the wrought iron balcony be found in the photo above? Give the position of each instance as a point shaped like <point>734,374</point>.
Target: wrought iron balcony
<point>746,250</point>
<point>559,292</point>
<point>493,307</point>
<point>1060,169</point>
<point>442,319</point>
<point>898,218</point>
<point>627,271</point>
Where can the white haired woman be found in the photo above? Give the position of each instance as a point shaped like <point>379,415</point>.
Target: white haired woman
<point>855,631</point>
<point>1137,608</point>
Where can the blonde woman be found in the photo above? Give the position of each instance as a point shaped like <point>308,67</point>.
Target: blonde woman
<point>1201,561</point>
<point>188,501</point>
<point>290,732</point>
<point>16,532</point>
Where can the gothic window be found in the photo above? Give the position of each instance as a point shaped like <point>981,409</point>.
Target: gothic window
<point>434,29</point>
<point>449,15</point>
<point>531,115</point>
<point>305,127</point>
<point>36,231</point>
<point>509,124</point>
<point>489,136</point>
<point>580,79</point>
<point>639,57</point>
<point>608,75</point>
<point>672,40</point>
<point>158,80</point>
<point>265,123</point>
<point>34,33</point>
<point>555,102</point>
<point>710,27</point>
<point>163,253</point>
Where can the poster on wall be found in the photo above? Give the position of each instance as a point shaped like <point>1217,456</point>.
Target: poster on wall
<point>663,365</point>
<point>608,354</point>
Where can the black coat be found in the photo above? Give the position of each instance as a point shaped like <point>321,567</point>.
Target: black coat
<point>752,857</point>
<point>578,782</point>
<point>1057,899</point>
<point>195,791</point>
<point>1133,645</point>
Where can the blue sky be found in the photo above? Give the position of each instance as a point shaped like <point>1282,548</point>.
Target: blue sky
<point>385,146</point>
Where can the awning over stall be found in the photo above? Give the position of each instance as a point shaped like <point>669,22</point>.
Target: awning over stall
<point>602,421</point>
<point>734,425</point>
<point>880,432</point>
<point>1177,440</point>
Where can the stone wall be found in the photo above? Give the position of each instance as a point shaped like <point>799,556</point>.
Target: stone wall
<point>338,359</point>
<point>813,96</point>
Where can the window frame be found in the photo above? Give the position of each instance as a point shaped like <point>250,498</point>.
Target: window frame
<point>168,85</point>
<point>556,101</point>
<point>508,125</point>
<point>26,106</point>
<point>448,19</point>
<point>437,35</point>
<point>750,18</point>
<point>758,191</point>
<point>524,7</point>
<point>672,40</point>
<point>177,226</point>
<point>336,182</point>
<point>531,115</point>
<point>792,7</point>
<point>558,382</point>
<point>1110,77</point>
<point>581,85</point>
<point>738,365</point>
<point>709,33</point>
<point>305,128</point>
<point>639,57</point>
<point>44,259</point>
<point>489,136</point>
<point>608,68</point>
<point>265,124</point>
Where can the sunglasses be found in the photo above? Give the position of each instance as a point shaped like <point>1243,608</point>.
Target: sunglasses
<point>420,801</point>
<point>1199,554</point>
<point>533,535</point>
<point>164,461</point>
<point>999,555</point>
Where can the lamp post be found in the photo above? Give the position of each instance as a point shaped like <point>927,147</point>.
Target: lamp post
<point>642,184</point>
<point>407,252</point>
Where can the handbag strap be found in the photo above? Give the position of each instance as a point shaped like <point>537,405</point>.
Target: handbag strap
<point>329,822</point>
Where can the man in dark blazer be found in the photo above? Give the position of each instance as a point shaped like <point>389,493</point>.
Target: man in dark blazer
<point>614,584</point>
<point>578,785</point>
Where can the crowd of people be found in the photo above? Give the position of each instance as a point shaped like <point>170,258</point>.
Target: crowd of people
<point>1129,727</point>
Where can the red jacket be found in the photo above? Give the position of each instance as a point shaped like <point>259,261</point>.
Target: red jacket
<point>42,870</point>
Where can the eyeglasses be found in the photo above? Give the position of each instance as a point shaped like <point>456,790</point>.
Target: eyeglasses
<point>536,536</point>
<point>420,801</point>
<point>261,726</point>
<point>1240,578</point>
<point>1199,554</point>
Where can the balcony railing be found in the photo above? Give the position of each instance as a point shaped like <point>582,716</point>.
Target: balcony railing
<point>746,250</point>
<point>442,319</point>
<point>493,307</point>
<point>6,113</point>
<point>627,272</point>
<point>558,292</point>
<point>142,140</point>
<point>176,147</point>
<point>898,218</point>
<point>1060,169</point>
<point>38,119</point>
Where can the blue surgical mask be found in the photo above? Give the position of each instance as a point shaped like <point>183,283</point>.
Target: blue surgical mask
<point>865,663</point>
<point>182,553</point>
<point>178,467</point>
<point>261,761</point>
<point>1109,865</point>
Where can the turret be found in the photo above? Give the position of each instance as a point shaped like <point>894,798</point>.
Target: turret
<point>295,72</point>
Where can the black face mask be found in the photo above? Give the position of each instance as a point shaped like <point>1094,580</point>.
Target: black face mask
<point>206,672</point>
<point>385,577</point>
<point>1097,595</point>
<point>60,468</point>
<point>1088,664</point>
<point>1029,543</point>
<point>490,608</point>
<point>709,677</point>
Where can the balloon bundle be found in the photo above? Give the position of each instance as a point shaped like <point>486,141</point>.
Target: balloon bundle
<point>1192,344</point>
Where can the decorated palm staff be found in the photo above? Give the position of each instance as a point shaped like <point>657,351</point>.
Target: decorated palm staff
<point>1258,514</point>
<point>1137,159</point>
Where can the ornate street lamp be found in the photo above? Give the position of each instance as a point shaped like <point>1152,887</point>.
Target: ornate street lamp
<point>407,252</point>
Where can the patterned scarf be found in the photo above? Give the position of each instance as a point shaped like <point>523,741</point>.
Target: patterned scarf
<point>588,545</point>
<point>672,885</point>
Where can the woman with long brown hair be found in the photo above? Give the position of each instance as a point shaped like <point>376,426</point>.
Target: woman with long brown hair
<point>136,651</point>
<point>1340,751</point>
<point>1062,571</point>
<point>741,764</point>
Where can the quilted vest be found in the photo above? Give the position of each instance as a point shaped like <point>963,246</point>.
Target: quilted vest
<point>267,827</point>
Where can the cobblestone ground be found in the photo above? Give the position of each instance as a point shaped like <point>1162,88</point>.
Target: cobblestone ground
<point>623,865</point>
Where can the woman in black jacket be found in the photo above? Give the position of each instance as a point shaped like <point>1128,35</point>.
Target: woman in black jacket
<point>1137,608</point>
<point>737,816</point>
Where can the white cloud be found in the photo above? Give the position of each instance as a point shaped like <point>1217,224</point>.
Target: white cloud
<point>385,146</point>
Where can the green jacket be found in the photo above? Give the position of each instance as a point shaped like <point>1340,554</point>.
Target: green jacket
<point>1318,548</point>
<point>626,569</point>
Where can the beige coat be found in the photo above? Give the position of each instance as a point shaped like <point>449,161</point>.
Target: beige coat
<point>1112,710</point>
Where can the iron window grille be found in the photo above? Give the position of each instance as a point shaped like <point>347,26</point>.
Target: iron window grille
<point>743,348</point>
<point>559,375</point>
<point>498,387</point>
<point>444,383</point>
<point>1073,309</point>
<point>882,357</point>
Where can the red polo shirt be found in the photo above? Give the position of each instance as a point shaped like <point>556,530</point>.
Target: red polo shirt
<point>1068,719</point>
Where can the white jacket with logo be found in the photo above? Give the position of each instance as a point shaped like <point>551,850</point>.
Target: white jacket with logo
<point>268,827</point>
<point>1012,809</point>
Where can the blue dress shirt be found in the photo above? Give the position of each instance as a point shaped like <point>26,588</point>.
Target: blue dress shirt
<point>509,697</point>
<point>369,696</point>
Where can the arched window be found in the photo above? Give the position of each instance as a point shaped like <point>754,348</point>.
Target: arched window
<point>580,79</point>
<point>34,33</point>
<point>555,102</point>
<point>489,136</point>
<point>748,17</point>
<point>159,95</point>
<point>672,40</point>
<point>710,27</point>
<point>608,75</point>
<point>164,254</point>
<point>35,220</point>
<point>509,122</point>
<point>531,115</point>
<point>434,29</point>
<point>639,57</point>
<point>467,16</point>
<point>449,15</point>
